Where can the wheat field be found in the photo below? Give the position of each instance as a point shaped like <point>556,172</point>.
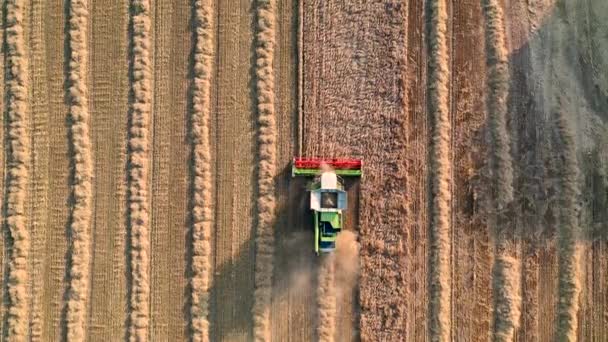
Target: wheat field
<point>147,191</point>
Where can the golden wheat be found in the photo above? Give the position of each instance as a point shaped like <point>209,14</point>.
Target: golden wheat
<point>569,233</point>
<point>202,216</point>
<point>506,270</point>
<point>76,313</point>
<point>439,78</point>
<point>18,170</point>
<point>141,78</point>
<point>266,206</point>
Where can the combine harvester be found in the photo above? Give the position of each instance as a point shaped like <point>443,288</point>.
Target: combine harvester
<point>327,195</point>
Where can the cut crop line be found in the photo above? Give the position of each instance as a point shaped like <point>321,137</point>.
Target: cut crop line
<point>506,270</point>
<point>326,300</point>
<point>202,215</point>
<point>138,168</point>
<point>569,234</point>
<point>438,95</point>
<point>18,145</point>
<point>266,204</point>
<point>82,173</point>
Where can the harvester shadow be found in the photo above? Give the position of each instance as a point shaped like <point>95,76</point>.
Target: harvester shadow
<point>537,149</point>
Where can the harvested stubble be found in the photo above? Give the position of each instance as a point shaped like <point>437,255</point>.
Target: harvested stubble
<point>506,288</point>
<point>18,170</point>
<point>266,206</point>
<point>438,97</point>
<point>202,216</point>
<point>139,221</point>
<point>82,173</point>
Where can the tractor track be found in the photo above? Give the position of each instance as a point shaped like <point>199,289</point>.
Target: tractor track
<point>38,206</point>
<point>417,134</point>
<point>109,107</point>
<point>471,244</point>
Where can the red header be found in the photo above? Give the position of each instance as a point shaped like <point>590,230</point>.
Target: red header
<point>336,163</point>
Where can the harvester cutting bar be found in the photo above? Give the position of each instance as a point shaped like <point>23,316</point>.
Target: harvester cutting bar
<point>311,166</point>
<point>336,163</point>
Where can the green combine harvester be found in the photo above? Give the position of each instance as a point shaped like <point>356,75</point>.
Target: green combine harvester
<point>328,199</point>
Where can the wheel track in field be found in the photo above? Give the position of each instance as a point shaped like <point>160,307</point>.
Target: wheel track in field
<point>202,216</point>
<point>18,155</point>
<point>441,171</point>
<point>506,270</point>
<point>264,39</point>
<point>82,173</point>
<point>138,169</point>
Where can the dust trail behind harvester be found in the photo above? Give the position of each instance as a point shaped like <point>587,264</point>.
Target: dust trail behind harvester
<point>338,275</point>
<point>326,299</point>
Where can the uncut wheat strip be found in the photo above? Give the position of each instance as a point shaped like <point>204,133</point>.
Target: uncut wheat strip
<point>569,233</point>
<point>438,97</point>
<point>139,130</point>
<point>506,270</point>
<point>18,170</point>
<point>202,215</point>
<point>266,122</point>
<point>82,173</point>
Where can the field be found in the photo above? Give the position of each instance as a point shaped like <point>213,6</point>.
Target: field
<point>147,191</point>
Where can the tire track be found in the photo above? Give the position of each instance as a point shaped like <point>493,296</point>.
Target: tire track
<point>138,168</point>
<point>82,173</point>
<point>109,104</point>
<point>569,232</point>
<point>441,171</point>
<point>202,216</point>
<point>18,155</point>
<point>506,270</point>
<point>39,127</point>
<point>264,85</point>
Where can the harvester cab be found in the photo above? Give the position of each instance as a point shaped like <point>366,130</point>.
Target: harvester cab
<point>328,199</point>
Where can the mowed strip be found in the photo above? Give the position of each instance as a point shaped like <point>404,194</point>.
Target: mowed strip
<point>441,170</point>
<point>16,95</point>
<point>266,119</point>
<point>138,169</point>
<point>201,202</point>
<point>82,173</point>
